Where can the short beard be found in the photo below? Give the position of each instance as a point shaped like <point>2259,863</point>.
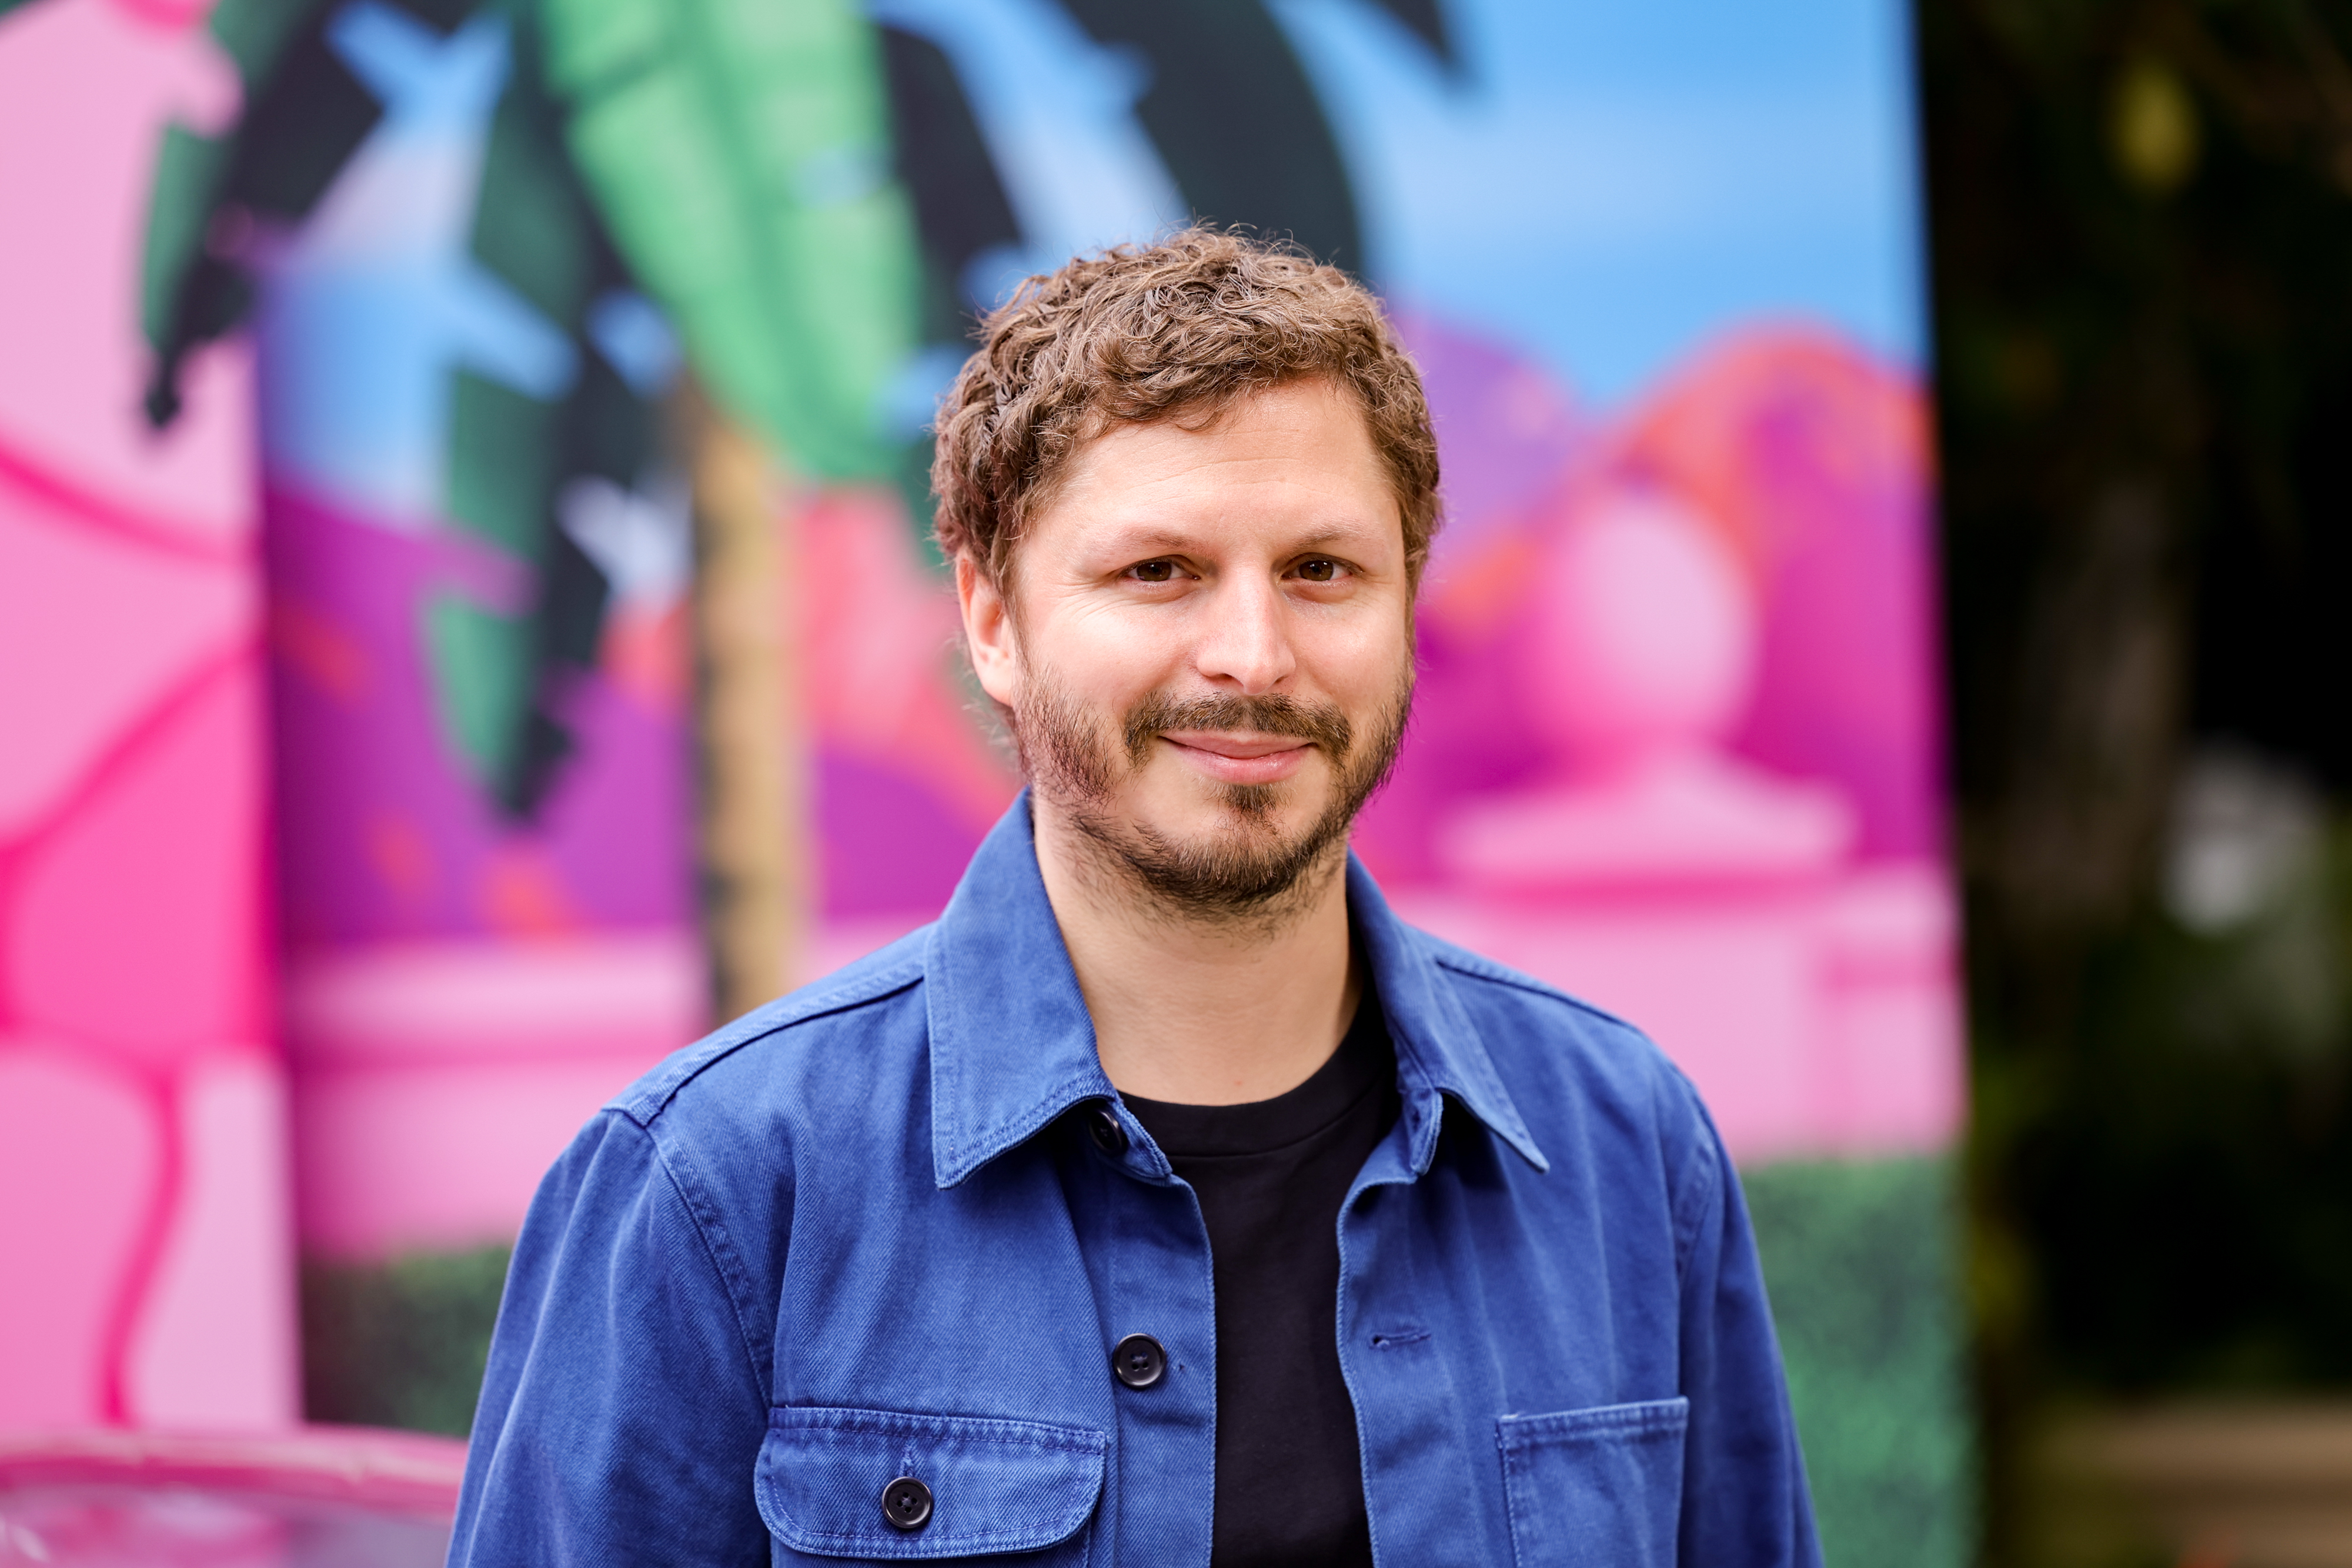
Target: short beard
<point>1251,876</point>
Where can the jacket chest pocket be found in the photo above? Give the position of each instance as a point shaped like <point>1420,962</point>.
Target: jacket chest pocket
<point>1595,1489</point>
<point>880,1486</point>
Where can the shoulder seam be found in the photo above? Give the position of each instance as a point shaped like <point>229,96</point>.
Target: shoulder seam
<point>1477,969</point>
<point>1706,1153</point>
<point>724,1262</point>
<point>647,1101</point>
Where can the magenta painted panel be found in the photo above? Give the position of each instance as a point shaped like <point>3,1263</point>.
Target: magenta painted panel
<point>384,835</point>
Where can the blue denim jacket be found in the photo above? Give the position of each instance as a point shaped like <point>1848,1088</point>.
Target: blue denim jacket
<point>860,1234</point>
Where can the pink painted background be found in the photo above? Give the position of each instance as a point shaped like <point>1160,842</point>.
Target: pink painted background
<point>144,1174</point>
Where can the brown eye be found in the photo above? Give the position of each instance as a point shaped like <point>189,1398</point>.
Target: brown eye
<point>1319,571</point>
<point>1154,571</point>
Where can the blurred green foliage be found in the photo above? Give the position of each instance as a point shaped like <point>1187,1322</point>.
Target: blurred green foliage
<point>400,1343</point>
<point>2183,1170</point>
<point>1860,1260</point>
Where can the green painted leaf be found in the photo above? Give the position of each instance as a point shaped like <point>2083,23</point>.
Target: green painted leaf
<point>482,674</point>
<point>188,173</point>
<point>530,223</point>
<point>738,150</point>
<point>254,33</point>
<point>501,473</point>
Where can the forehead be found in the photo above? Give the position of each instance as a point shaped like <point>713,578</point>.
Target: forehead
<point>1298,456</point>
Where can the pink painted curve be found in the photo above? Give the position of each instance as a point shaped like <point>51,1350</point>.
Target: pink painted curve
<point>81,1160</point>
<point>134,924</point>
<point>95,631</point>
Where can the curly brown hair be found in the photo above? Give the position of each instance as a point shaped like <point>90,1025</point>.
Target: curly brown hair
<point>1182,327</point>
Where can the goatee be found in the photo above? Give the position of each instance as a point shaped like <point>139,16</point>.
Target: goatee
<point>1249,869</point>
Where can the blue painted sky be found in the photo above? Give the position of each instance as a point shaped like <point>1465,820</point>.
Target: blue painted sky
<point>1611,183</point>
<point>1606,184</point>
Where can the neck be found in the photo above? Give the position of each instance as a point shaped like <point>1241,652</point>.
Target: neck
<point>1197,1011</point>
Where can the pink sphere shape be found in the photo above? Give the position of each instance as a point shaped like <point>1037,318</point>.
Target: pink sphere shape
<point>1645,645</point>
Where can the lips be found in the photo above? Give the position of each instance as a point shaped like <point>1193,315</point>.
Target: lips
<point>1243,758</point>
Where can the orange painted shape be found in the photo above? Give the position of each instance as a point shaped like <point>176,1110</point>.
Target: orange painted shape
<point>311,645</point>
<point>400,853</point>
<point>883,630</point>
<point>521,892</point>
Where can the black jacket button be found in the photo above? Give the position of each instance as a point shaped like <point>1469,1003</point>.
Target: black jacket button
<point>1139,1362</point>
<point>906,1503</point>
<point>1104,1129</point>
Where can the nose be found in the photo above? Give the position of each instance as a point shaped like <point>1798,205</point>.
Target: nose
<point>1245,641</point>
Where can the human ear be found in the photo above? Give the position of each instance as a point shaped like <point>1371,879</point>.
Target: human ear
<point>989,633</point>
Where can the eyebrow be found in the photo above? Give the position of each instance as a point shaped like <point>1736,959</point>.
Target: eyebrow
<point>1153,542</point>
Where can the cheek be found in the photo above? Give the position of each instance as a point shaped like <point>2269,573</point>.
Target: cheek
<point>1360,663</point>
<point>1112,659</point>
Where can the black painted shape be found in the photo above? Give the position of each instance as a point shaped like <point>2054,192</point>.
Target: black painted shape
<point>1236,118</point>
<point>1426,21</point>
<point>961,208</point>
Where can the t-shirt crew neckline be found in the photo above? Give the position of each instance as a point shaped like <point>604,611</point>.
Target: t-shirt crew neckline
<point>1361,1065</point>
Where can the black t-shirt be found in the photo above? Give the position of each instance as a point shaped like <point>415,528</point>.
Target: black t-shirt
<point>1271,1175</point>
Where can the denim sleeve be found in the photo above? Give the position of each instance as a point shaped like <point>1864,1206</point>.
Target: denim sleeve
<point>622,1411</point>
<point>1745,1503</point>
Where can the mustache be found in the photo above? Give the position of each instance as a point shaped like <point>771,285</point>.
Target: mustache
<point>1320,724</point>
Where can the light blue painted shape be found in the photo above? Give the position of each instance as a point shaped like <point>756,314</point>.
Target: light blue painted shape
<point>424,82</point>
<point>636,339</point>
<point>641,540</point>
<point>909,399</point>
<point>369,308</point>
<point>1057,113</point>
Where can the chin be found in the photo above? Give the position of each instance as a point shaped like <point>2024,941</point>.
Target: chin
<point>1261,813</point>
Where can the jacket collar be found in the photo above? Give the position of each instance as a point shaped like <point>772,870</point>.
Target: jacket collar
<point>1012,1046</point>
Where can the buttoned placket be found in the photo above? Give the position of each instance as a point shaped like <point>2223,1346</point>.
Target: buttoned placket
<point>1409,1432</point>
<point>1146,1250</point>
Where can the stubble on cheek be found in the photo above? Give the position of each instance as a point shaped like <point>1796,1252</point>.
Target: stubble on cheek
<point>1059,751</point>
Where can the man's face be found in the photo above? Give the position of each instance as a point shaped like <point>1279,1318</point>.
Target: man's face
<point>1208,655</point>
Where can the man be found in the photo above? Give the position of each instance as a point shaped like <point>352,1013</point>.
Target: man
<point>1167,1201</point>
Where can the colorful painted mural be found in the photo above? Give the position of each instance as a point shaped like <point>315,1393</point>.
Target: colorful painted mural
<point>411,321</point>
<point>447,228</point>
<point>143,1181</point>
